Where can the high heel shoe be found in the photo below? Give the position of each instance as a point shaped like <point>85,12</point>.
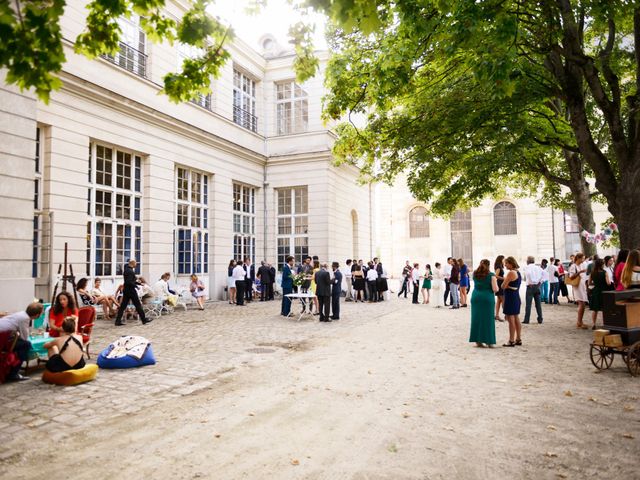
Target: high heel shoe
<point>509,344</point>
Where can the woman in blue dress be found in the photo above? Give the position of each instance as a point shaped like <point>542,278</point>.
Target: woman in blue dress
<point>287,286</point>
<point>512,302</point>
<point>464,282</point>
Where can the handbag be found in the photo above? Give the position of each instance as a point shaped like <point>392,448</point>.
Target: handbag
<point>574,282</point>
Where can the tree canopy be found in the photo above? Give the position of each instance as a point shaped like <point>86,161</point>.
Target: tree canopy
<point>32,45</point>
<point>469,96</point>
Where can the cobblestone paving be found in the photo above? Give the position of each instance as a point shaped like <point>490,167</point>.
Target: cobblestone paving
<point>193,350</point>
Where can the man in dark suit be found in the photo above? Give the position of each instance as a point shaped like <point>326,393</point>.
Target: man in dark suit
<point>250,270</point>
<point>129,293</point>
<point>264,274</point>
<point>336,291</point>
<point>272,273</point>
<point>323,292</point>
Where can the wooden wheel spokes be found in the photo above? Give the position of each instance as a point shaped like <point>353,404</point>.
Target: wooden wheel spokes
<point>601,357</point>
<point>633,359</point>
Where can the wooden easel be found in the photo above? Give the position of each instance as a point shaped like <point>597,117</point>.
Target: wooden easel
<point>65,278</point>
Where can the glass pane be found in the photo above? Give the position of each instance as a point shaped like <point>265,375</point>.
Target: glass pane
<point>301,200</point>
<point>284,202</point>
<point>302,225</point>
<point>183,184</point>
<point>284,226</point>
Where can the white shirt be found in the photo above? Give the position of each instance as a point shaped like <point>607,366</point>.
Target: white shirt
<point>551,271</point>
<point>609,272</point>
<point>161,289</point>
<point>346,271</point>
<point>415,275</point>
<point>545,275</point>
<point>372,274</point>
<point>447,271</point>
<point>16,322</point>
<point>533,274</point>
<point>238,273</point>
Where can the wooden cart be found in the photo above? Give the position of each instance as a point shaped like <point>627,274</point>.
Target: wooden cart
<point>602,356</point>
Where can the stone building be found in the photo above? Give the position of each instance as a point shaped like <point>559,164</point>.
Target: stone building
<point>114,170</point>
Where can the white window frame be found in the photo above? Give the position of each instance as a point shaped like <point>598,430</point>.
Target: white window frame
<point>296,222</point>
<point>183,52</point>
<point>418,229</point>
<point>295,119</point>
<point>100,220</point>
<point>37,205</point>
<point>132,55</point>
<point>505,209</point>
<point>244,221</point>
<point>191,238</point>
<point>244,100</point>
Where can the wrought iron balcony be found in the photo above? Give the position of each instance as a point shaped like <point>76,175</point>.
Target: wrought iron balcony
<point>130,59</point>
<point>245,119</point>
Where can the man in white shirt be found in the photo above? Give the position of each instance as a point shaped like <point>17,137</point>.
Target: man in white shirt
<point>533,277</point>
<point>554,282</point>
<point>447,284</point>
<point>20,322</point>
<point>239,276</point>
<point>346,275</point>
<point>415,282</point>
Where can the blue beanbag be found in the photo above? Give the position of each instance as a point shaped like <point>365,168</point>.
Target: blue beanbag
<point>125,361</point>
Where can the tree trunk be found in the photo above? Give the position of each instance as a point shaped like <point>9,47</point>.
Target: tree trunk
<point>628,215</point>
<point>581,194</point>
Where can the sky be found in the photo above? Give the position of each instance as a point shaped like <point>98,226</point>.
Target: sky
<point>275,18</point>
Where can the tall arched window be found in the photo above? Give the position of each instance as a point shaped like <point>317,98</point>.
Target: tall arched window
<point>418,223</point>
<point>355,236</point>
<point>504,219</point>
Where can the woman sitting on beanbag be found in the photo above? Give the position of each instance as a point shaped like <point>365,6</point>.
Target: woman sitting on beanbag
<point>65,352</point>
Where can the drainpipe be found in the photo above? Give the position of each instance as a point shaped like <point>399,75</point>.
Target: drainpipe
<point>370,225</point>
<point>553,231</point>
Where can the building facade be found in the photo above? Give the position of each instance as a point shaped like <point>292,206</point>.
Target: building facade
<point>113,170</point>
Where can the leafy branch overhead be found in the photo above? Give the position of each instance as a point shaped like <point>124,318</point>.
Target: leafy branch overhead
<point>33,54</point>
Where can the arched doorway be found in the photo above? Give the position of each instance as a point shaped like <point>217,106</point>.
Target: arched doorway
<point>461,236</point>
<point>354,234</point>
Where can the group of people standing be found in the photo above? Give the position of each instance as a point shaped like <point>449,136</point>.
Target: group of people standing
<point>242,277</point>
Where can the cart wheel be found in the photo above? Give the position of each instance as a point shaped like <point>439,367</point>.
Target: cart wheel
<point>601,357</point>
<point>633,359</point>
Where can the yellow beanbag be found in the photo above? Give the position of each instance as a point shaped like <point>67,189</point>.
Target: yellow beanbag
<point>71,377</point>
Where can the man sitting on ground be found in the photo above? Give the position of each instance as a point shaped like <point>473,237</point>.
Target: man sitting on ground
<point>21,322</point>
<point>65,351</point>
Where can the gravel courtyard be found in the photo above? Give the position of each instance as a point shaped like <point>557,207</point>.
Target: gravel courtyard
<point>391,391</point>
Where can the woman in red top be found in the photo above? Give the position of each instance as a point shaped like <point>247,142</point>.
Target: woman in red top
<point>63,307</point>
<point>621,260</point>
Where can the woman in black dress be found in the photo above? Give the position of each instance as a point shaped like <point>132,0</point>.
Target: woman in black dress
<point>358,283</point>
<point>498,268</point>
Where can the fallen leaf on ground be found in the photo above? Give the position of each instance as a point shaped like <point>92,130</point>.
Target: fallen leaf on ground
<point>295,462</point>
<point>392,448</point>
<point>551,427</point>
<point>217,435</point>
<point>251,414</point>
<point>561,475</point>
<point>405,415</point>
<point>550,454</point>
<point>440,413</point>
<point>568,393</point>
<point>450,429</point>
<point>592,399</point>
<point>629,408</point>
<point>628,435</point>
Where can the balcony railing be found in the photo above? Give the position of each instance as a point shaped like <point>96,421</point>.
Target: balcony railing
<point>245,119</point>
<point>203,100</point>
<point>130,59</point>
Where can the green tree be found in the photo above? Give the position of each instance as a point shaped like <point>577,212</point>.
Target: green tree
<point>32,51</point>
<point>461,93</point>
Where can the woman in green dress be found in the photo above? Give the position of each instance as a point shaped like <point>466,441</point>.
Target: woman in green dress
<point>426,284</point>
<point>483,304</point>
<point>598,282</point>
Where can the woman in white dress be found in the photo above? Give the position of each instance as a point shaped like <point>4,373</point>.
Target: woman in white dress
<point>436,285</point>
<point>578,269</point>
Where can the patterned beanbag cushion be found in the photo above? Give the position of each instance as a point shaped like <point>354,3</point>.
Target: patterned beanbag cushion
<point>127,352</point>
<point>71,377</point>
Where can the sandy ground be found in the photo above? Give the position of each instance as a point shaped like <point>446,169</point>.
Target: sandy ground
<point>400,396</point>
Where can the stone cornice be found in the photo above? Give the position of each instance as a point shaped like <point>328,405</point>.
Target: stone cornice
<point>84,89</point>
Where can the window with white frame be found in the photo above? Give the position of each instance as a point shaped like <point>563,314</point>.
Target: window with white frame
<point>292,108</point>
<point>37,206</point>
<point>192,222</point>
<point>504,219</point>
<point>418,222</point>
<point>185,52</point>
<point>292,230</point>
<point>244,222</point>
<point>132,54</point>
<point>244,101</point>
<point>114,229</point>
